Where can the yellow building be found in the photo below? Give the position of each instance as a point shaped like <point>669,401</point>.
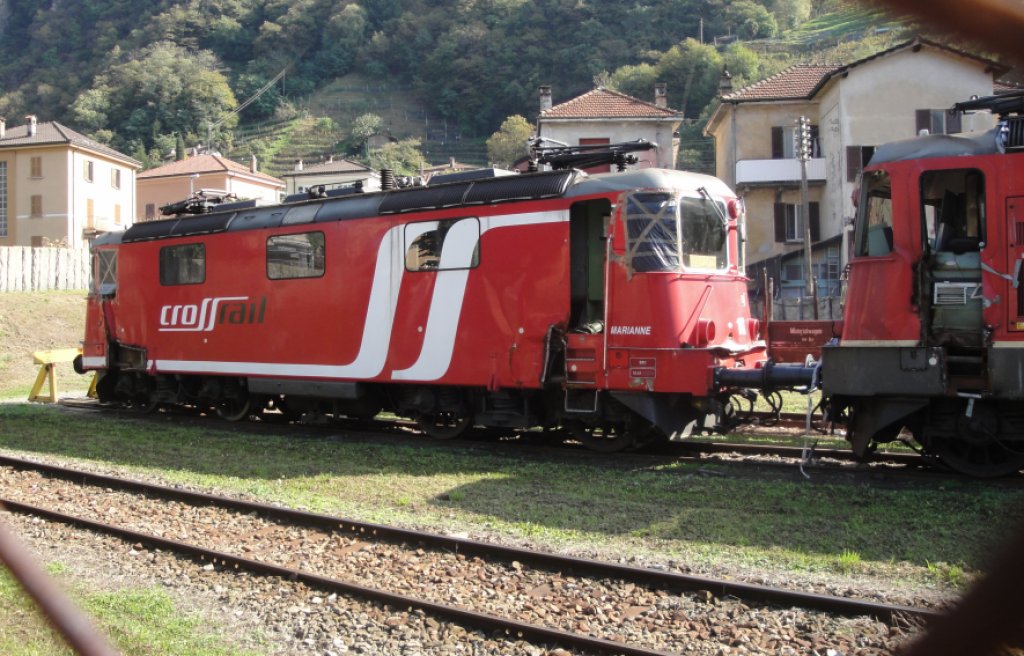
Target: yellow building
<point>58,187</point>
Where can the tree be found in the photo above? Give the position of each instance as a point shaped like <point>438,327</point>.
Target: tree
<point>509,143</point>
<point>692,71</point>
<point>363,127</point>
<point>403,157</point>
<point>750,19</point>
<point>637,81</point>
<point>164,90</point>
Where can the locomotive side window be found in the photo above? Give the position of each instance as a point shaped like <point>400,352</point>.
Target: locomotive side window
<point>953,209</point>
<point>295,256</point>
<point>874,225</point>
<point>442,245</point>
<point>704,234</point>
<point>652,232</point>
<point>183,265</point>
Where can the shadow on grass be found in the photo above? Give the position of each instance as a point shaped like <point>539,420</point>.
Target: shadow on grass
<point>562,492</point>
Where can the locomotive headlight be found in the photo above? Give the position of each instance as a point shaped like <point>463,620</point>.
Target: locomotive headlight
<point>704,333</point>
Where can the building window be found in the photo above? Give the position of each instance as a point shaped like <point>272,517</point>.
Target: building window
<point>295,256</point>
<point>857,157</point>
<point>424,243</point>
<point>937,121</point>
<point>789,226</point>
<point>115,178</point>
<point>117,214</point>
<point>87,170</point>
<point>37,207</point>
<point>90,213</point>
<point>150,211</point>
<point>36,167</point>
<point>784,142</point>
<point>183,265</point>
<point>3,199</point>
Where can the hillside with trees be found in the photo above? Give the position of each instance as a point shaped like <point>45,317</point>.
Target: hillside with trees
<point>149,76</point>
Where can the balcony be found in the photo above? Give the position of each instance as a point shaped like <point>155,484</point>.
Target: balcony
<point>778,171</point>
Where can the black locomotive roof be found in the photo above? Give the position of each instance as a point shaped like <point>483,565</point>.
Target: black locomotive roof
<point>528,186</point>
<point>937,145</point>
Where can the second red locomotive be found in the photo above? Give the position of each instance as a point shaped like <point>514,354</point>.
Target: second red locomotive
<point>933,333</point>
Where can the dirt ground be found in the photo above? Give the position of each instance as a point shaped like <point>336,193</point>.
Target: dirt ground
<point>37,321</point>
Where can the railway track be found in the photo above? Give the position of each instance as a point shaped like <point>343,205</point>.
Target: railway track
<point>539,605</point>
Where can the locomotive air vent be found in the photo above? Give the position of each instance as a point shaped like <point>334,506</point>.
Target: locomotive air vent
<point>954,293</point>
<point>1014,133</point>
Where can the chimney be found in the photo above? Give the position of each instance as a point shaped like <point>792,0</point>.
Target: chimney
<point>725,83</point>
<point>545,97</point>
<point>3,127</point>
<point>661,95</point>
<point>298,165</point>
<point>31,118</point>
<point>252,164</point>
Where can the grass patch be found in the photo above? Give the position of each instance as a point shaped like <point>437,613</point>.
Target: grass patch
<point>610,505</point>
<point>38,321</point>
<point>143,621</point>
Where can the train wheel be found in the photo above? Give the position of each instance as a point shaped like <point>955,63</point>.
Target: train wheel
<point>981,446</point>
<point>981,459</point>
<point>444,425</point>
<point>605,438</point>
<point>235,408</point>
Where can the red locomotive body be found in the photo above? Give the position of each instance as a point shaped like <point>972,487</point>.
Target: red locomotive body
<point>933,329</point>
<point>603,303</point>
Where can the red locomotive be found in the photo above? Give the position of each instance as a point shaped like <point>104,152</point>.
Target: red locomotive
<point>933,335</point>
<point>603,303</point>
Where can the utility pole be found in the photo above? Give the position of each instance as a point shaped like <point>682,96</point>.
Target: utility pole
<point>803,143</point>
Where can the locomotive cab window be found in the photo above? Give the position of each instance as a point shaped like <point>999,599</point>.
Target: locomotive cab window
<point>104,272</point>
<point>295,256</point>
<point>654,223</point>
<point>953,210</point>
<point>442,245</point>
<point>873,237</point>
<point>704,234</point>
<point>183,265</point>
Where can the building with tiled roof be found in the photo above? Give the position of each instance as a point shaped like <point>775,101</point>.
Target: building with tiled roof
<point>329,174</point>
<point>604,116</point>
<point>796,82</point>
<point>59,187</point>
<point>852,108</point>
<point>178,180</point>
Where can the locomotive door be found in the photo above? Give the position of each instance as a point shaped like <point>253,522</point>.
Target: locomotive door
<point>1015,257</point>
<point>588,227</point>
<point>584,356</point>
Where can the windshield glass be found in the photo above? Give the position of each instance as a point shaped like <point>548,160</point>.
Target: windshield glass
<point>654,221</point>
<point>874,218</point>
<point>704,234</point>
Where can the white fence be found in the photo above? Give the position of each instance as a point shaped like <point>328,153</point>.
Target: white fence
<point>24,269</point>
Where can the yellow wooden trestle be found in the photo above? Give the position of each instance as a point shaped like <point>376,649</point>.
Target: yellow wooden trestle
<point>48,373</point>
